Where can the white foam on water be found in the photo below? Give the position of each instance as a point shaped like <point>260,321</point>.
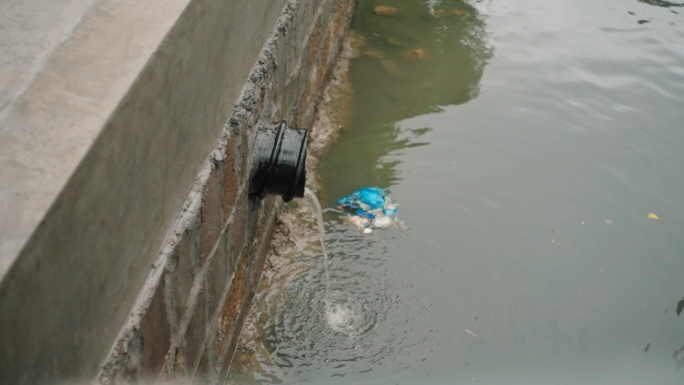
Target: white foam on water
<point>343,319</point>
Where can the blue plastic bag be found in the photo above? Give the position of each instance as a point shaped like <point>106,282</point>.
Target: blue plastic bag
<point>372,208</point>
<point>367,198</point>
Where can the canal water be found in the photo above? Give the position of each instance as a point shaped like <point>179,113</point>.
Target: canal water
<point>536,149</point>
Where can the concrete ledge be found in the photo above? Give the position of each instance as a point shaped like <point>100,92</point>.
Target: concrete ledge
<point>123,128</point>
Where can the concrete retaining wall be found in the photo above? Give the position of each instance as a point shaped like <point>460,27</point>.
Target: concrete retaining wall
<point>129,247</point>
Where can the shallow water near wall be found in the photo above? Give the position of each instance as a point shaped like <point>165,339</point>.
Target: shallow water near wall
<point>527,143</point>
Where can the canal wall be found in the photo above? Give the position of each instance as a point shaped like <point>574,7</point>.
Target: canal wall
<point>296,226</point>
<point>129,247</point>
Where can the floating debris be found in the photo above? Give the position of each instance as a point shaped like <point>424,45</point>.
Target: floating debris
<point>382,222</point>
<point>471,333</point>
<point>652,216</point>
<point>385,10</point>
<point>372,207</point>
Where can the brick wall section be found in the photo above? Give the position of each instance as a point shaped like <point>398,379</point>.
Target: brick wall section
<point>188,317</point>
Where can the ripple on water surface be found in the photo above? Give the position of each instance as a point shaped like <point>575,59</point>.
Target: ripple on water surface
<point>366,327</point>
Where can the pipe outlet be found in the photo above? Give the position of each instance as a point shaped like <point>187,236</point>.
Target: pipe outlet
<point>279,166</point>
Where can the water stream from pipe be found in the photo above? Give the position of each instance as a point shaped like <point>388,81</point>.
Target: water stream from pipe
<point>312,201</point>
<point>340,318</point>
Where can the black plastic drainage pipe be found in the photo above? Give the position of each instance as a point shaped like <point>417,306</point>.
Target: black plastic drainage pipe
<point>280,163</point>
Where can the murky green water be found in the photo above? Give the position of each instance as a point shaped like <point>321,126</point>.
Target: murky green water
<point>527,144</point>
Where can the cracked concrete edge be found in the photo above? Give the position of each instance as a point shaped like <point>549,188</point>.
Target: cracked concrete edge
<point>188,212</point>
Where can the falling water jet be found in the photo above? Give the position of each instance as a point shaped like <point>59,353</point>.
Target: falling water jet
<point>312,201</point>
<point>340,318</point>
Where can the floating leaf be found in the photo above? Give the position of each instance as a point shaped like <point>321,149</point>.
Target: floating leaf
<point>652,216</point>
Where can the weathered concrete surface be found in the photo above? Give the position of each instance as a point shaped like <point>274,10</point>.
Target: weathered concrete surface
<point>106,142</point>
<point>30,31</point>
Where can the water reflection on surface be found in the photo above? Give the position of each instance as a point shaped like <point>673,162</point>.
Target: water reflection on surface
<point>527,149</point>
<point>392,83</point>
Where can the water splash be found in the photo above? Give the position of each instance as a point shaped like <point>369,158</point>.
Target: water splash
<point>312,201</point>
<point>344,319</point>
